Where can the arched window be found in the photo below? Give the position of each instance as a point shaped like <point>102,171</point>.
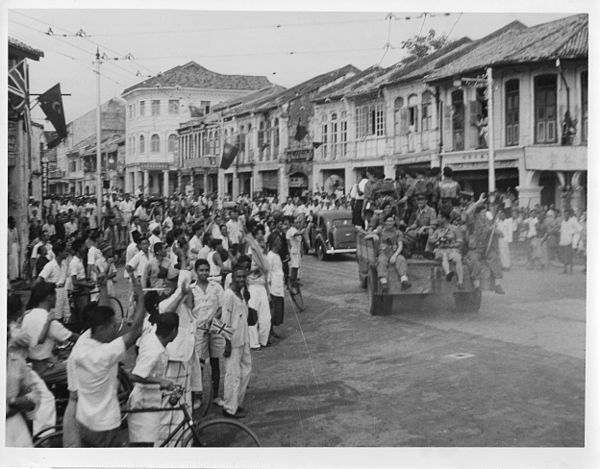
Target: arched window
<point>172,143</point>
<point>142,145</point>
<point>398,105</point>
<point>155,143</point>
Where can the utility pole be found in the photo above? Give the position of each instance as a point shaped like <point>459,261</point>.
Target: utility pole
<point>98,142</point>
<point>492,169</point>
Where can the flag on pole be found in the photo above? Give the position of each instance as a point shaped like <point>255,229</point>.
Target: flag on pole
<point>229,153</point>
<point>52,105</point>
<point>17,86</point>
<point>301,132</point>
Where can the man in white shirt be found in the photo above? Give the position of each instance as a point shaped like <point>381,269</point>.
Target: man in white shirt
<point>195,243</point>
<point>136,267</point>
<point>93,255</point>
<point>76,277</point>
<point>55,272</point>
<point>126,207</point>
<point>96,363</point>
<point>569,227</point>
<point>235,231</point>
<point>71,226</point>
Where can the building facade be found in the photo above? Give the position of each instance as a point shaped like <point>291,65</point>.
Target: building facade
<point>21,140</point>
<point>155,109</point>
<point>76,154</point>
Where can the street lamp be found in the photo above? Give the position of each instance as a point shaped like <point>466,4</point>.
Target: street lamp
<point>489,83</point>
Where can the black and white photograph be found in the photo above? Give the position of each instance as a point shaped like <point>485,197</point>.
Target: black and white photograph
<point>299,227</point>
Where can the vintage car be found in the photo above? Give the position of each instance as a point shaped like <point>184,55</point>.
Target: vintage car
<point>332,232</point>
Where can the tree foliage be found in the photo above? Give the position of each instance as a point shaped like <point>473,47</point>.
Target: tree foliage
<point>422,46</point>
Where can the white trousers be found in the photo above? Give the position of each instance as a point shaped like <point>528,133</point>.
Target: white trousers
<point>259,333</point>
<point>237,376</point>
<point>45,415</point>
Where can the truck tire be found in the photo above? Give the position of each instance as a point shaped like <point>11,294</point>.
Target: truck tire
<point>378,304</point>
<point>467,302</point>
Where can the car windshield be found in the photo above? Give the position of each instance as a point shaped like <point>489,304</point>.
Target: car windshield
<point>341,222</point>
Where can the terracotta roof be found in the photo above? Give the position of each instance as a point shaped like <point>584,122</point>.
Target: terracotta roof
<point>563,38</point>
<point>307,87</point>
<point>249,101</point>
<point>232,106</point>
<point>25,50</point>
<point>347,86</point>
<point>400,72</point>
<point>193,75</point>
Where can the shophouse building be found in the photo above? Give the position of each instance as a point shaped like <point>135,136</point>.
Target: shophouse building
<point>539,112</point>
<point>155,109</point>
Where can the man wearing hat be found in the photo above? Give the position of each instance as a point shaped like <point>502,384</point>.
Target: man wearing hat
<point>449,188</point>
<point>420,226</point>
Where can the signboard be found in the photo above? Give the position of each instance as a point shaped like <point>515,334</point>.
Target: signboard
<point>301,154</point>
<point>298,181</point>
<point>44,178</point>
<point>559,158</point>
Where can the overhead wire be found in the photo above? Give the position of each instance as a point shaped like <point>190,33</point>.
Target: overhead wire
<point>453,26</point>
<point>82,34</point>
<point>69,56</point>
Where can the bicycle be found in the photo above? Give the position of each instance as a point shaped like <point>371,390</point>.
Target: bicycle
<point>76,321</point>
<point>295,293</point>
<point>214,433</point>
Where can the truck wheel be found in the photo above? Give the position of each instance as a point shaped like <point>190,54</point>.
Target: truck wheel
<point>378,303</point>
<point>468,302</point>
<point>320,251</point>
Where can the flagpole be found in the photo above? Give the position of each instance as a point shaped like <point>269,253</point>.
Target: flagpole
<point>98,143</point>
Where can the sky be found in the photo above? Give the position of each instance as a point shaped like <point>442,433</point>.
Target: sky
<point>286,47</point>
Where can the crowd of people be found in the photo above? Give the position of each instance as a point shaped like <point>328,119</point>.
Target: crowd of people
<point>207,284</point>
<point>207,277</point>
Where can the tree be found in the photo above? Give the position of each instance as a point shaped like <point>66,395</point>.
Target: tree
<point>422,46</point>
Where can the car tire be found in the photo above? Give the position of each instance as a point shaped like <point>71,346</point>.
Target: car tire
<point>321,252</point>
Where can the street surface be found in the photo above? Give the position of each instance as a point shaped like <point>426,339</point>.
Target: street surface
<point>512,374</point>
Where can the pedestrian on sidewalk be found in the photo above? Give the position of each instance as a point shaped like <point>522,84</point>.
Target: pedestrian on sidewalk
<point>569,227</point>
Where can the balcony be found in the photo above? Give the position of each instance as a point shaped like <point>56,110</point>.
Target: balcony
<point>56,174</point>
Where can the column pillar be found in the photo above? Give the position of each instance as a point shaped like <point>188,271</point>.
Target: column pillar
<point>235,184</point>
<point>205,182</point>
<point>166,182</point>
<point>348,179</point>
<point>146,182</point>
<point>283,184</point>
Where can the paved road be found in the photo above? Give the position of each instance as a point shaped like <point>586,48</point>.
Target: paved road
<point>511,375</point>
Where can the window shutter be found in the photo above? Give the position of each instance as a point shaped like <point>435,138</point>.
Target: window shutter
<point>403,121</point>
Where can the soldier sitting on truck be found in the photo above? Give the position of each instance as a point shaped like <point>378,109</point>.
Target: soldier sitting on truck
<point>447,241</point>
<point>389,251</point>
<point>420,226</point>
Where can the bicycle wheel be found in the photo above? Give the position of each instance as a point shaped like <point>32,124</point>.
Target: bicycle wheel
<point>52,440</point>
<point>116,306</point>
<point>221,433</point>
<point>296,297</point>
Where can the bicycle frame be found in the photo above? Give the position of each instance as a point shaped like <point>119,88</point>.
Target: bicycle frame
<point>187,420</point>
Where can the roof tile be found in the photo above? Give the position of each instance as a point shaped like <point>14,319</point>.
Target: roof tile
<point>193,75</point>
